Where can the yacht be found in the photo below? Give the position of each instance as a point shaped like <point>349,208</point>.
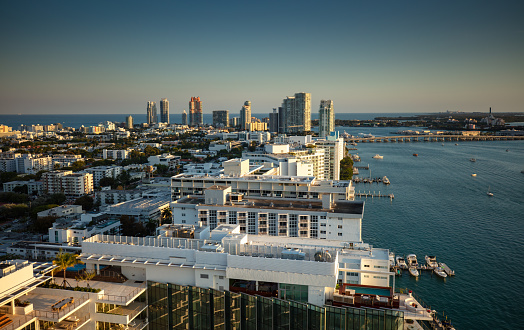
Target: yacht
<point>385,180</point>
<point>440,272</point>
<point>391,260</point>
<point>431,262</point>
<point>377,156</point>
<point>401,262</point>
<point>412,264</point>
<point>472,160</point>
<point>474,174</point>
<point>490,194</point>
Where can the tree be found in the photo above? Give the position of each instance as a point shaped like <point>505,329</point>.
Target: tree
<point>65,260</point>
<point>107,181</point>
<point>167,216</point>
<point>86,276</point>
<point>78,166</point>
<point>21,189</point>
<point>86,202</point>
<point>346,168</point>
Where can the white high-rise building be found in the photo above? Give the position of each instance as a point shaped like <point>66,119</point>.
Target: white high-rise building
<point>245,116</point>
<point>334,147</point>
<point>326,114</point>
<point>151,113</point>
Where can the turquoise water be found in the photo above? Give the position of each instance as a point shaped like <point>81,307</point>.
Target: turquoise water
<point>440,209</point>
<point>370,291</point>
<point>76,268</point>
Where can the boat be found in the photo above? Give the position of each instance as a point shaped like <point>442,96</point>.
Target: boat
<point>401,262</point>
<point>472,160</point>
<point>391,260</point>
<point>412,264</point>
<point>474,174</point>
<point>416,155</point>
<point>456,144</point>
<point>385,180</point>
<point>489,192</point>
<point>377,156</point>
<point>431,262</point>
<point>439,271</point>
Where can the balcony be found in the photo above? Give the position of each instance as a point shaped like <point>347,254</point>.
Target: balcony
<point>123,314</point>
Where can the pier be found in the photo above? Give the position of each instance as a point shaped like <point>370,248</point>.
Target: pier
<point>369,180</point>
<point>432,138</point>
<point>373,195</point>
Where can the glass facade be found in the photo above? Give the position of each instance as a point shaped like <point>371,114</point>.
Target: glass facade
<point>185,307</point>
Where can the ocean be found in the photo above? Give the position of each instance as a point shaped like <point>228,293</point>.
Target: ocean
<point>439,209</point>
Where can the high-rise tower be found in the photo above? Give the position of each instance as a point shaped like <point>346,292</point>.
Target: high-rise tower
<point>151,113</point>
<point>129,122</point>
<point>164,111</point>
<point>184,117</point>
<point>245,115</point>
<point>273,121</point>
<point>296,116</point>
<point>326,114</point>
<point>195,112</point>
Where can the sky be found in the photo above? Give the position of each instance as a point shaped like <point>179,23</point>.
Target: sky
<point>89,57</point>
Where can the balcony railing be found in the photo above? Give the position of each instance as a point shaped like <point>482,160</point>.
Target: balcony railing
<point>63,312</point>
<point>122,299</point>
<point>21,320</point>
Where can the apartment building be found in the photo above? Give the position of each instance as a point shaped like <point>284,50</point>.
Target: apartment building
<point>115,154</point>
<point>77,184</point>
<point>100,172</point>
<point>33,187</point>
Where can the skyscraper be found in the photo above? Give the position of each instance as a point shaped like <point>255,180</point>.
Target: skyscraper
<point>326,115</point>
<point>296,113</point>
<point>164,111</point>
<point>273,121</point>
<point>184,117</point>
<point>245,115</point>
<point>151,113</point>
<point>221,118</point>
<point>195,112</point>
<point>129,122</point>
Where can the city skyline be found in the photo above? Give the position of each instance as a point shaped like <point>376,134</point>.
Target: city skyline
<point>99,57</point>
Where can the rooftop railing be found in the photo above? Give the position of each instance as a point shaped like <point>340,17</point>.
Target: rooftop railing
<point>122,299</point>
<point>59,314</point>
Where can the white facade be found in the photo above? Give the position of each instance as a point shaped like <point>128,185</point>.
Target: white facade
<point>100,172</point>
<point>168,160</point>
<point>74,232</point>
<point>326,118</point>
<point>115,154</point>
<point>334,148</point>
<point>61,211</point>
<point>33,187</point>
<point>77,184</point>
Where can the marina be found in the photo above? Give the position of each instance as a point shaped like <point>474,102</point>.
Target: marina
<point>373,195</point>
<point>383,180</point>
<point>409,263</point>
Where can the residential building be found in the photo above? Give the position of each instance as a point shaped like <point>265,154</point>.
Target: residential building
<point>184,117</point>
<point>195,112</point>
<point>221,118</point>
<point>168,160</point>
<point>40,250</point>
<point>164,111</point>
<point>242,179</point>
<point>296,113</point>
<point>273,121</point>
<point>61,211</point>
<point>100,172</point>
<point>32,164</point>
<point>326,121</point>
<point>33,187</point>
<point>73,232</point>
<point>321,218</point>
<point>256,126</point>
<point>245,116</point>
<point>115,196</point>
<point>52,181</point>
<point>334,148</point>
<point>234,122</point>
<point>202,168</point>
<point>77,184</point>
<point>129,122</point>
<point>64,160</point>
<point>115,154</point>
<point>151,113</point>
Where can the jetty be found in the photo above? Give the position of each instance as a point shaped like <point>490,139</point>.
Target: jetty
<point>373,195</point>
<point>369,180</point>
<point>447,269</point>
<point>434,138</point>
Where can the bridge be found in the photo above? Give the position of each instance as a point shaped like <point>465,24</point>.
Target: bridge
<point>433,138</point>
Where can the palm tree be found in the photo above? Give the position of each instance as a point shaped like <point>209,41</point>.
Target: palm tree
<point>167,215</point>
<point>65,260</point>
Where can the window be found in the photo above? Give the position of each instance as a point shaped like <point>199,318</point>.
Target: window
<point>366,276</point>
<point>351,274</point>
<point>366,266</point>
<point>204,276</point>
<point>339,226</point>
<point>323,232</point>
<point>183,214</point>
<point>339,234</point>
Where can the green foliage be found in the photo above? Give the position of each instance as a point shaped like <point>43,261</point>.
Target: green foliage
<point>104,182</point>
<point>86,202</point>
<point>346,168</point>
<point>42,225</point>
<point>11,211</point>
<point>78,166</point>
<point>21,189</point>
<point>78,288</point>
<point>8,176</point>
<point>65,260</point>
<point>131,227</point>
<point>151,151</point>
<point>12,197</point>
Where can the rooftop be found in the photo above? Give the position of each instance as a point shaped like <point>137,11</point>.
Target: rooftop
<point>140,204</point>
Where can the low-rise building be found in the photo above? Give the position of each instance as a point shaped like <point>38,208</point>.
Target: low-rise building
<point>33,187</point>
<point>115,154</point>
<point>73,232</point>
<point>142,209</point>
<point>100,172</point>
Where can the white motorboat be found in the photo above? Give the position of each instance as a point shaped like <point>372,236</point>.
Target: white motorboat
<point>385,180</point>
<point>431,262</point>
<point>391,260</point>
<point>413,271</point>
<point>473,160</point>
<point>412,264</point>
<point>490,194</point>
<point>474,174</point>
<point>401,263</point>
<point>377,156</point>
<point>440,272</point>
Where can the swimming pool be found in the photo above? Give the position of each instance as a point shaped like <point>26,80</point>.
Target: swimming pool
<point>76,268</point>
<point>370,291</point>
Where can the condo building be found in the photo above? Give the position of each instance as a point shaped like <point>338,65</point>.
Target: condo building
<point>326,118</point>
<point>151,113</point>
<point>195,112</point>
<point>129,122</point>
<point>245,116</point>
<point>296,113</point>
<point>164,111</point>
<point>221,118</point>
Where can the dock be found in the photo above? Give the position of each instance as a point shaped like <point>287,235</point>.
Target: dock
<point>363,167</point>
<point>368,180</point>
<point>448,270</point>
<point>373,195</point>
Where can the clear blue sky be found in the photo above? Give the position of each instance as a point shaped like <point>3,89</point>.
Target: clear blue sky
<point>367,56</point>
